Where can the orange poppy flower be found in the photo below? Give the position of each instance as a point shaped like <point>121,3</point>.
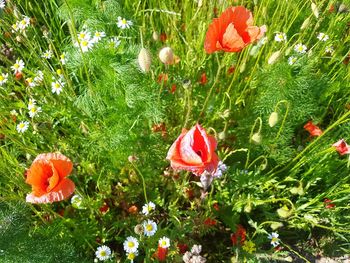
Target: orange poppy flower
<point>312,129</point>
<point>194,151</point>
<point>342,147</point>
<point>47,176</point>
<point>232,31</point>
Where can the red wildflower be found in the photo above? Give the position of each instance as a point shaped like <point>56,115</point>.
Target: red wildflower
<point>328,203</point>
<point>173,89</point>
<point>231,70</point>
<point>203,80</point>
<point>163,78</point>
<point>163,37</point>
<point>18,75</point>
<point>209,222</point>
<point>342,147</point>
<point>182,247</point>
<point>216,206</point>
<point>312,129</point>
<point>161,253</point>
<point>239,235</point>
<point>232,31</point>
<point>104,208</point>
<point>194,151</point>
<point>133,209</point>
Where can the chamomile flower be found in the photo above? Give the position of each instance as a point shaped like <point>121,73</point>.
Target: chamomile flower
<point>14,113</point>
<point>24,23</point>
<point>132,255</point>
<point>2,4</point>
<point>18,66</point>
<point>274,239</point>
<point>57,86</point>
<point>3,78</point>
<point>103,253</point>
<point>147,208</point>
<point>30,82</point>
<point>164,242</point>
<point>300,48</point>
<point>98,36</point>
<point>86,45</point>
<point>292,60</point>
<point>47,54</point>
<point>15,27</point>
<point>280,37</point>
<point>322,37</point>
<point>31,103</point>
<point>39,77</point>
<point>34,111</point>
<point>63,58</point>
<point>329,49</point>
<point>130,244</point>
<point>22,126</point>
<point>123,23</point>
<point>114,42</point>
<point>149,227</point>
<point>84,35</point>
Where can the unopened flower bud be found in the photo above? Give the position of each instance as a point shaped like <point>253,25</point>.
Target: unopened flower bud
<point>256,138</point>
<point>166,55</point>
<point>138,229</point>
<point>222,136</point>
<point>144,60</point>
<point>314,10</point>
<point>155,36</point>
<point>273,119</point>
<point>305,23</point>
<point>273,58</point>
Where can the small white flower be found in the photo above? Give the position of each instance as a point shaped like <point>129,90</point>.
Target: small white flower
<point>292,60</point>
<point>39,77</point>
<point>149,227</point>
<point>15,27</point>
<point>30,82</point>
<point>274,239</point>
<point>34,111</point>
<point>114,42</point>
<point>47,54</point>
<point>22,126</point>
<point>130,244</point>
<point>14,113</point>
<point>84,35</point>
<point>76,201</point>
<point>322,37</point>
<point>98,36</point>
<point>31,103</point>
<point>63,58</point>
<point>3,78</point>
<point>132,255</point>
<point>123,23</point>
<point>329,49</point>
<point>86,45</point>
<point>24,23</point>
<point>280,37</point>
<point>57,86</point>
<point>164,242</point>
<point>187,257</point>
<point>2,4</point>
<point>103,253</point>
<point>196,249</point>
<point>300,48</point>
<point>147,208</point>
<point>18,66</point>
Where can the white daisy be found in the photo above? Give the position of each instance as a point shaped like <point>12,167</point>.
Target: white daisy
<point>131,256</point>
<point>164,242</point>
<point>149,227</point>
<point>3,78</point>
<point>63,58</point>
<point>103,253</point>
<point>22,126</point>
<point>130,244</point>
<point>30,82</point>
<point>280,37</point>
<point>329,49</point>
<point>86,45</point>
<point>98,36</point>
<point>196,249</point>
<point>147,208</point>
<point>2,4</point>
<point>84,35</point>
<point>123,23</point>
<point>31,103</point>
<point>300,48</point>
<point>39,77</point>
<point>18,66</point>
<point>14,113</point>
<point>292,60</point>
<point>47,54</point>
<point>274,239</point>
<point>114,42</point>
<point>15,27</point>
<point>24,23</point>
<point>57,86</point>
<point>322,37</point>
<point>34,111</point>
<point>76,201</point>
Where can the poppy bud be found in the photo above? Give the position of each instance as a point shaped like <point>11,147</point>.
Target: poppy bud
<point>144,60</point>
<point>166,55</point>
<point>18,75</point>
<point>273,58</point>
<point>305,23</point>
<point>314,9</point>
<point>273,119</point>
<point>155,36</point>
<point>284,212</point>
<point>276,225</point>
<point>222,136</point>
<point>256,138</point>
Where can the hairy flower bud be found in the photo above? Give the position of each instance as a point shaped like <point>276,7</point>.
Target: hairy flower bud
<point>166,55</point>
<point>155,36</point>
<point>273,58</point>
<point>144,60</point>
<point>273,119</point>
<point>256,138</point>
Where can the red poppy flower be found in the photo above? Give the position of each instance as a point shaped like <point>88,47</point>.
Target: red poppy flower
<point>231,70</point>
<point>161,253</point>
<point>104,208</point>
<point>173,89</point>
<point>47,176</point>
<point>209,222</point>
<point>163,37</point>
<point>182,247</point>
<point>232,31</point>
<point>194,151</point>
<point>240,235</point>
<point>203,80</point>
<point>342,147</point>
<point>312,129</point>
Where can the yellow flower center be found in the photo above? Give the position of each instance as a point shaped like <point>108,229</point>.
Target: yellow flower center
<point>59,72</point>
<point>103,253</point>
<point>62,56</point>
<point>149,227</point>
<point>84,43</point>
<point>1,78</point>
<point>21,125</point>
<point>124,21</point>
<point>23,22</point>
<point>33,110</point>
<point>81,35</point>
<point>29,80</point>
<point>57,86</point>
<point>131,244</point>
<point>16,66</point>
<point>163,243</point>
<point>131,256</point>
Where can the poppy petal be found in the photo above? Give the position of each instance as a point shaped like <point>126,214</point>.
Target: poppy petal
<point>62,164</point>
<point>187,153</point>
<point>38,175</point>
<point>231,40</point>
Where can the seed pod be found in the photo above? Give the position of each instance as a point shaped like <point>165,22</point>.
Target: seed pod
<point>273,119</point>
<point>256,138</point>
<point>144,60</point>
<point>166,55</point>
<point>273,58</point>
